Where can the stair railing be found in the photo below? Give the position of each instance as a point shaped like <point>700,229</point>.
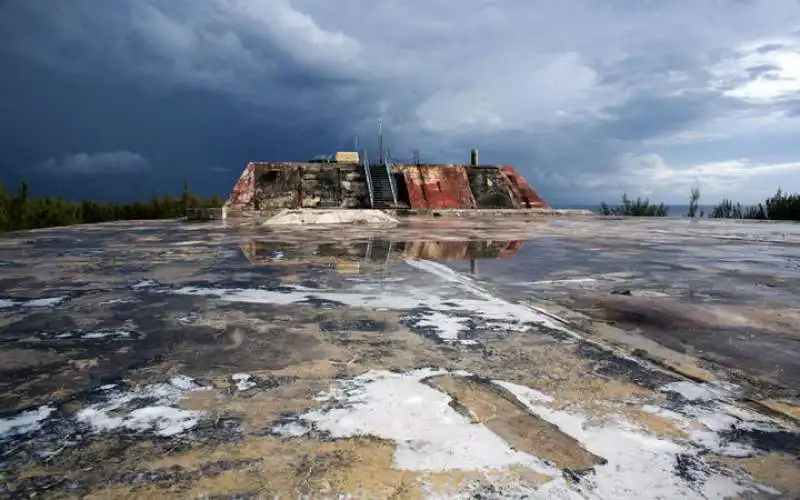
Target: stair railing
<point>390,174</point>
<point>368,175</point>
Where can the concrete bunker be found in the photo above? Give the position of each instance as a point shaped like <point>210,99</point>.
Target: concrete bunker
<point>341,181</point>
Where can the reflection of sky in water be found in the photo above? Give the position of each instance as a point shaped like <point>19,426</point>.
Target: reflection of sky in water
<point>549,266</point>
<point>725,271</point>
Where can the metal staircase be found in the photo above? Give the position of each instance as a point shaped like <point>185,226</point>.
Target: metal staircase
<point>383,187</point>
<point>380,184</point>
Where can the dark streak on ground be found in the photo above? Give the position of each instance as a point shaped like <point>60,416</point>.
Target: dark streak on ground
<point>609,364</point>
<point>765,441</point>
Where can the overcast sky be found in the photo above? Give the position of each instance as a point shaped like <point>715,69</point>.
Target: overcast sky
<point>587,98</point>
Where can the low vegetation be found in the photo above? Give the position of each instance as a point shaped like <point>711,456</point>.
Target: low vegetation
<point>780,206</point>
<point>638,208</point>
<point>20,211</point>
<point>727,209</point>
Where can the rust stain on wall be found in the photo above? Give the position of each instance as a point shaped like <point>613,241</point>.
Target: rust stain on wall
<point>242,191</point>
<point>492,189</point>
<point>413,180</point>
<point>271,185</point>
<point>522,190</point>
<point>437,186</point>
<point>447,186</point>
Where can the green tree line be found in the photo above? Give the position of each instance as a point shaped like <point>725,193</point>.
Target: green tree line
<point>20,210</point>
<point>780,206</point>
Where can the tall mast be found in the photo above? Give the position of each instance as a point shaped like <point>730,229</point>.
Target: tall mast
<point>380,139</point>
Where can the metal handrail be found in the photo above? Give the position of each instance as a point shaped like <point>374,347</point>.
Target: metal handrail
<point>368,174</point>
<point>390,174</point>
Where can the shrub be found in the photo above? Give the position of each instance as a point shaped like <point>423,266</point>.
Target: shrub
<point>638,208</point>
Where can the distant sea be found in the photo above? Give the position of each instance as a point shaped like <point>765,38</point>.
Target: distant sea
<point>674,210</point>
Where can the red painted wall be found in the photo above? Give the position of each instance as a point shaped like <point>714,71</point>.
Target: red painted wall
<point>243,190</point>
<point>416,195</point>
<point>437,186</point>
<point>522,190</point>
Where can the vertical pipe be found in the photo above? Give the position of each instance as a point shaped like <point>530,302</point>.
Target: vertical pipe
<point>473,157</point>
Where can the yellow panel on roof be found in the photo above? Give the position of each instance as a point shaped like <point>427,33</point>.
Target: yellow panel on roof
<point>346,157</point>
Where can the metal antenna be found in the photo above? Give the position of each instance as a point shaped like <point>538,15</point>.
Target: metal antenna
<point>356,148</point>
<point>380,139</point>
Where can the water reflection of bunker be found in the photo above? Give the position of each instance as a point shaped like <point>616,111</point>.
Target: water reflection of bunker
<point>347,257</point>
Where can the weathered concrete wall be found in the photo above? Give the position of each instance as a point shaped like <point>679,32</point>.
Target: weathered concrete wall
<point>320,188</point>
<point>437,187</point>
<point>491,188</point>
<point>353,187</point>
<point>275,186</point>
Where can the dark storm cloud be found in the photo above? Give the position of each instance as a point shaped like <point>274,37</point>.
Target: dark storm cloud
<point>198,88</point>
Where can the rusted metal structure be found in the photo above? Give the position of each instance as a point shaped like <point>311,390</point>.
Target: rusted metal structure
<point>265,186</point>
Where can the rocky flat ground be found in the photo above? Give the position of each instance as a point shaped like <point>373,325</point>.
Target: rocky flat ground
<point>541,357</point>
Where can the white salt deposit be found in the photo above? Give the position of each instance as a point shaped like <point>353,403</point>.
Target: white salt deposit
<point>695,392</point>
<point>46,302</point>
<point>124,300</point>
<point>447,326</point>
<point>565,281</point>
<point>33,303</point>
<point>291,429</point>
<point>107,333</point>
<point>716,415</point>
<point>25,422</point>
<point>141,285</point>
<point>639,465</point>
<point>104,333</point>
<point>242,381</point>
<point>502,313</point>
<point>160,416</point>
<point>430,435</point>
<point>317,216</point>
